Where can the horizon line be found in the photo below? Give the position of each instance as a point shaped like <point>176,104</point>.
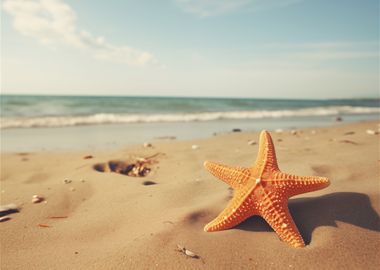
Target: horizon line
<point>194,97</point>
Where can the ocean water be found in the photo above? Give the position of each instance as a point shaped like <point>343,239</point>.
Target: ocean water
<point>61,111</point>
<point>38,123</point>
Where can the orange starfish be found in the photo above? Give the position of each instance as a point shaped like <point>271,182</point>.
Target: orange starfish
<point>263,190</point>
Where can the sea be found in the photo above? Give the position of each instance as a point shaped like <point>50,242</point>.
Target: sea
<point>33,123</point>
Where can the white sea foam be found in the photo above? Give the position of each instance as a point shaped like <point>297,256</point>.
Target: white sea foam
<point>60,121</point>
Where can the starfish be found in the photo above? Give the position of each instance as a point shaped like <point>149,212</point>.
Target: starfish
<point>263,190</point>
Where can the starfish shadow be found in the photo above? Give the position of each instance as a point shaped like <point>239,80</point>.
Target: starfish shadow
<point>310,213</point>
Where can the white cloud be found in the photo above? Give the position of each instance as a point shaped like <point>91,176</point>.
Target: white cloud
<point>53,22</point>
<point>208,8</point>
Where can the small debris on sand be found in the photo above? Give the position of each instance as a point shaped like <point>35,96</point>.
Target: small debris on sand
<point>72,189</point>
<point>371,132</point>
<point>166,138</point>
<point>43,225</point>
<point>147,144</point>
<point>82,180</point>
<point>252,142</point>
<point>349,133</point>
<point>88,157</point>
<point>37,199</point>
<point>293,132</point>
<point>338,119</point>
<point>149,183</point>
<point>195,147</point>
<point>9,208</point>
<point>348,141</point>
<point>57,217</point>
<point>279,130</point>
<point>67,181</point>
<point>236,130</point>
<point>313,132</point>
<point>5,218</point>
<point>139,168</point>
<point>187,252</point>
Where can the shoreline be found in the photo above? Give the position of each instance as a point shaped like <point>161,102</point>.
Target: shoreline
<point>114,136</point>
<point>110,220</point>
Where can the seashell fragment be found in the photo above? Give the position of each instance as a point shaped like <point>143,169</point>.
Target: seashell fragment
<point>371,132</point>
<point>187,252</point>
<point>4,218</point>
<point>37,199</point>
<point>190,253</point>
<point>252,142</point>
<point>9,208</point>
<point>195,147</point>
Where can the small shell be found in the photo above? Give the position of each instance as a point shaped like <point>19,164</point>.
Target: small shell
<point>195,147</point>
<point>37,199</point>
<point>252,142</point>
<point>279,130</point>
<point>67,181</point>
<point>371,132</point>
<point>4,218</point>
<point>9,207</point>
<point>190,253</point>
<point>147,144</point>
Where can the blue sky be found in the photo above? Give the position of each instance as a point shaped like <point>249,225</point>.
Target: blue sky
<point>227,48</point>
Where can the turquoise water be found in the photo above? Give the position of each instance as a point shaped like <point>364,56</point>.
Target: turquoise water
<point>61,111</point>
<point>38,123</point>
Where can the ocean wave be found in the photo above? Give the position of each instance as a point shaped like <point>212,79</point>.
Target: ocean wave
<point>102,118</point>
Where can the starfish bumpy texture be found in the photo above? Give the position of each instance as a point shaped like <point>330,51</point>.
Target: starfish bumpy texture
<point>263,190</point>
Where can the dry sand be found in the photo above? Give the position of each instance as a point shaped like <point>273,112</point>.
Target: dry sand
<point>113,221</point>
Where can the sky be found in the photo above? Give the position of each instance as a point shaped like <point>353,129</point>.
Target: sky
<point>216,48</point>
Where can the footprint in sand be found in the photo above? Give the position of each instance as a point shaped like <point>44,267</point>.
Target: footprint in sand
<point>135,169</point>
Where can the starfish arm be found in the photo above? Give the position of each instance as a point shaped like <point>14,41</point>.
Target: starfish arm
<point>278,217</point>
<point>293,185</point>
<point>236,177</point>
<point>266,158</point>
<point>238,210</point>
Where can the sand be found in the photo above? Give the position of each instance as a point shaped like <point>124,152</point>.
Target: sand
<point>113,221</point>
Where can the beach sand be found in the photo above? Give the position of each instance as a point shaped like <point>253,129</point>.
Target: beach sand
<point>112,221</point>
